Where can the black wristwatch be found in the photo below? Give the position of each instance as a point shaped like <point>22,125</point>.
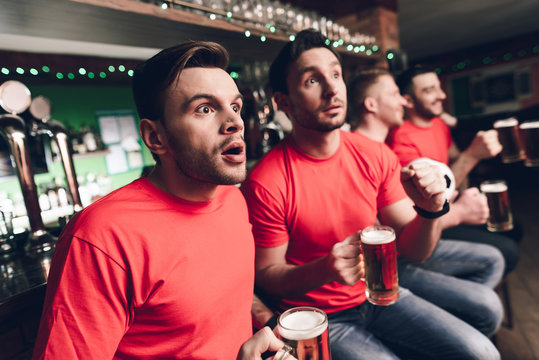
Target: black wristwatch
<point>432,215</point>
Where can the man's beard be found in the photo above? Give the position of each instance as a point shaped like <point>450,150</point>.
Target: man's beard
<point>206,168</point>
<point>425,112</point>
<point>312,123</point>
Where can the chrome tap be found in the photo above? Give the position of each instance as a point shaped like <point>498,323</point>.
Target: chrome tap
<point>12,128</point>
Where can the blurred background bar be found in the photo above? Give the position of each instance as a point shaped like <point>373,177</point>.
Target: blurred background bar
<point>77,58</point>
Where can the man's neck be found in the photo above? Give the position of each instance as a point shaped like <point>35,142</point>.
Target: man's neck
<point>316,143</point>
<point>372,128</point>
<point>419,120</point>
<point>181,186</point>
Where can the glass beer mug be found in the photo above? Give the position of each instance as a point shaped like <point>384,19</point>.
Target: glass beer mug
<point>305,330</point>
<point>380,253</point>
<point>500,217</point>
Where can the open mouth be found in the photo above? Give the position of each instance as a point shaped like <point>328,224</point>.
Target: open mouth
<point>233,151</point>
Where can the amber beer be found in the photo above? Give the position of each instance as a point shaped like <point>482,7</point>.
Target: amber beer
<point>530,137</point>
<point>380,254</point>
<point>500,218</point>
<point>305,330</point>
<point>508,135</point>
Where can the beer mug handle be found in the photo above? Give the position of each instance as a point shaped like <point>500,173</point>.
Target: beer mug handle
<point>285,353</point>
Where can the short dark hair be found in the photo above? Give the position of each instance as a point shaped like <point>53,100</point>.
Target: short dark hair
<point>358,85</point>
<point>305,40</point>
<point>405,79</point>
<point>153,77</point>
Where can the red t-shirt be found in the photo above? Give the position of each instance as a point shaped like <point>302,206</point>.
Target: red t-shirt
<point>411,142</point>
<point>313,203</point>
<point>142,274</point>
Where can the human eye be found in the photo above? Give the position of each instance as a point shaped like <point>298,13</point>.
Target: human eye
<point>236,108</point>
<point>203,109</point>
<point>311,81</point>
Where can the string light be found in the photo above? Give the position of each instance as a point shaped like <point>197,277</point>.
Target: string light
<point>80,72</point>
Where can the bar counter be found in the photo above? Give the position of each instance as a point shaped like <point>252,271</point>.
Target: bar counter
<point>23,280</point>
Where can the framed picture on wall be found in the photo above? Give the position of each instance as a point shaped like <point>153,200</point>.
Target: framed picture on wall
<point>119,133</point>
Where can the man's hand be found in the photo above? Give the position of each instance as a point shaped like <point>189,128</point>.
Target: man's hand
<point>485,145</point>
<point>472,207</point>
<point>425,185</point>
<point>258,344</point>
<point>345,261</point>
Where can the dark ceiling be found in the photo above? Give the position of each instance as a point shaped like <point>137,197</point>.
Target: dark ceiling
<point>433,27</point>
<point>427,27</point>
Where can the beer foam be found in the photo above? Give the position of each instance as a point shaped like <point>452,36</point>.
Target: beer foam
<point>529,125</point>
<point>505,123</point>
<point>377,237</point>
<point>493,188</point>
<point>302,325</point>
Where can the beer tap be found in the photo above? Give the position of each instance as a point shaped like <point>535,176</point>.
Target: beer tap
<point>40,109</point>
<point>14,99</point>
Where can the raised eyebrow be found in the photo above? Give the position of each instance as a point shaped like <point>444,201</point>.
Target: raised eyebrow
<point>315,68</point>
<point>198,97</point>
<point>239,97</point>
<point>209,97</point>
<point>429,88</point>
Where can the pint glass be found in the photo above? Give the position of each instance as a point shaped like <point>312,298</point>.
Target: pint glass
<point>380,254</point>
<point>500,218</point>
<point>305,330</point>
<point>530,138</point>
<point>508,135</point>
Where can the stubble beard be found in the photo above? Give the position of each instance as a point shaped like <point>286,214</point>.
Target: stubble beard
<point>313,123</point>
<point>208,168</point>
<point>425,112</point>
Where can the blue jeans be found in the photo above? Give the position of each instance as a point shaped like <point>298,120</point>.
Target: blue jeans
<point>413,328</point>
<point>459,277</point>
<point>502,241</point>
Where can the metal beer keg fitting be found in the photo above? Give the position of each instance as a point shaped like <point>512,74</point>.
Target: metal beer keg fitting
<point>40,111</point>
<point>15,98</point>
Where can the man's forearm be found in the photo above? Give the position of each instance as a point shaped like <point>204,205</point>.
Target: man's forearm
<point>293,280</point>
<point>419,238</point>
<point>462,167</point>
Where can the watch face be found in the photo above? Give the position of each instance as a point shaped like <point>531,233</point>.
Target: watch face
<point>14,97</point>
<point>446,173</point>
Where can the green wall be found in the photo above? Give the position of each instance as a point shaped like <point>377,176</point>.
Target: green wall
<point>76,106</point>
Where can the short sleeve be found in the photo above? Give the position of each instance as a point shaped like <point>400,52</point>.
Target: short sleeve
<point>391,189</point>
<point>86,311</point>
<point>266,214</point>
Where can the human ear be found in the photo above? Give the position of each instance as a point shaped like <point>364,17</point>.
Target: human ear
<point>409,101</point>
<point>283,102</point>
<point>370,103</point>
<point>153,136</point>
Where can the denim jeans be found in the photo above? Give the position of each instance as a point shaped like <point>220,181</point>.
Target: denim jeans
<point>412,328</point>
<point>506,242</point>
<point>459,277</point>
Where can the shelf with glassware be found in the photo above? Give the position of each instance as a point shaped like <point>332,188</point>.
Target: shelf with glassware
<point>266,20</point>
